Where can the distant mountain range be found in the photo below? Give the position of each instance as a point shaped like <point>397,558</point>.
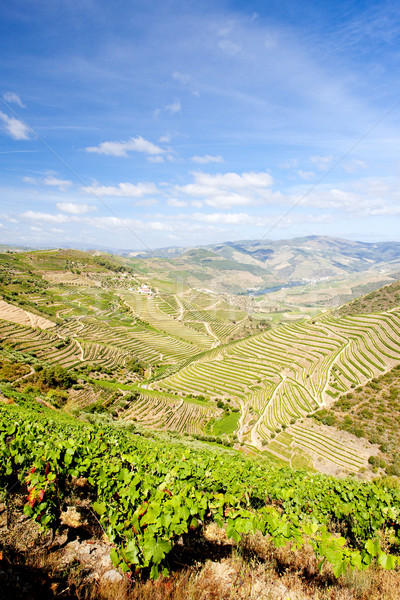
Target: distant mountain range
<point>261,263</point>
<point>238,266</point>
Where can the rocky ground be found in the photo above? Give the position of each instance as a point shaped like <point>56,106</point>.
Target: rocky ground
<point>74,564</point>
<point>42,565</point>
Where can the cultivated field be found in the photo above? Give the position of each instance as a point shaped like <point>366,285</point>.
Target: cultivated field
<point>15,314</point>
<point>279,377</point>
<point>193,359</point>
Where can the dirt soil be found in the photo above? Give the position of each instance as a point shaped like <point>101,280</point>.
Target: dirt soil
<point>37,565</point>
<point>18,315</point>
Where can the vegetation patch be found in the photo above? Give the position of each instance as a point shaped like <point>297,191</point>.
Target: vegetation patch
<point>226,425</point>
<point>371,411</point>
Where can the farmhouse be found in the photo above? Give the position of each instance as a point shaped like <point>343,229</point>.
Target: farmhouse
<point>144,289</point>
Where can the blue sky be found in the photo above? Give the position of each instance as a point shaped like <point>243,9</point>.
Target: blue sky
<point>132,124</point>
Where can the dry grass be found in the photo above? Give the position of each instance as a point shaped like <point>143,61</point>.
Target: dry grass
<point>74,568</point>
<point>237,579</point>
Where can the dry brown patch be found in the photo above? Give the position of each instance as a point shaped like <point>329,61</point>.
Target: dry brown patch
<point>18,315</point>
<point>75,566</point>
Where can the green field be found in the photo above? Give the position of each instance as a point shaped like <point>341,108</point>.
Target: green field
<point>188,360</point>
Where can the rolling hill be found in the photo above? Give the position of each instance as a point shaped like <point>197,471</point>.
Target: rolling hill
<point>274,263</point>
<point>184,359</point>
<point>208,414</point>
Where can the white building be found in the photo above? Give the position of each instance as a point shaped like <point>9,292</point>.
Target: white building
<point>144,289</point>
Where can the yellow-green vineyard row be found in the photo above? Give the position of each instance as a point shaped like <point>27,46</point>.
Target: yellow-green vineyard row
<point>290,371</point>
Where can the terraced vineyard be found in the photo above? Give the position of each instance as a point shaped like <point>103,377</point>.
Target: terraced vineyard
<point>281,376</point>
<point>163,411</point>
<point>41,344</point>
<point>151,346</point>
<point>183,319</point>
<point>175,345</point>
<point>94,319</point>
<point>371,412</point>
<point>304,444</point>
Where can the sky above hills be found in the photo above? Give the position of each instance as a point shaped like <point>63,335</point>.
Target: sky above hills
<point>148,124</point>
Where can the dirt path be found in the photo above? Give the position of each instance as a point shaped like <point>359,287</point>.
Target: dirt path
<point>181,309</point>
<point>243,415</point>
<point>80,348</point>
<point>212,306</point>
<point>211,334</point>
<point>241,320</point>
<point>32,370</point>
<point>253,435</point>
<point>328,375</point>
<point>63,311</point>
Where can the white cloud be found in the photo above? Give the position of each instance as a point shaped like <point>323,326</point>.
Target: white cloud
<point>202,160</point>
<point>230,48</point>
<point>172,108</point>
<point>196,204</point>
<point>361,198</point>
<point>60,183</point>
<point>30,180</point>
<point>14,98</point>
<point>292,163</point>
<point>231,189</point>
<point>134,144</point>
<point>385,210</point>
<point>182,77</point>
<point>164,139</point>
<point>322,162</point>
<point>146,202</point>
<point>308,175</point>
<point>158,226</point>
<point>115,223</point>
<point>15,128</point>
<point>103,223</point>
<point>176,203</point>
<point>270,40</point>
<point>49,180</point>
<point>155,159</point>
<point>244,219</point>
<point>205,183</point>
<point>230,200</point>
<point>227,28</point>
<point>74,208</point>
<point>175,107</point>
<point>32,215</point>
<point>355,165</point>
<point>9,219</point>
<point>232,219</point>
<point>125,190</point>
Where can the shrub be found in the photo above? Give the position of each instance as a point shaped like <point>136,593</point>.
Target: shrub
<point>393,470</point>
<point>58,398</point>
<point>359,432</point>
<point>329,420</point>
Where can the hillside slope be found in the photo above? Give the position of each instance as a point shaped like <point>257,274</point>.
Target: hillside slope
<point>172,357</point>
<point>272,263</point>
<point>158,504</point>
<point>385,298</point>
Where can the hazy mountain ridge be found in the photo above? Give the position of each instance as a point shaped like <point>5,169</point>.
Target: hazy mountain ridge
<point>327,255</point>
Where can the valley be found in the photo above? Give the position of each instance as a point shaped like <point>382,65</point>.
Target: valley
<point>201,402</point>
<point>148,347</point>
